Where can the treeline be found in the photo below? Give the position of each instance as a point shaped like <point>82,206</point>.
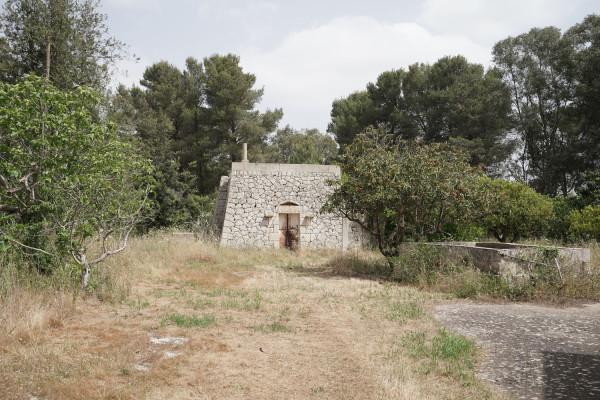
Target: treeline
<point>531,119</point>
<point>533,116</point>
<point>191,124</point>
<point>81,164</point>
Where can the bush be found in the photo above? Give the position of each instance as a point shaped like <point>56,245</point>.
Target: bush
<point>585,224</point>
<point>559,226</point>
<point>403,190</point>
<point>73,189</point>
<point>465,232</point>
<point>515,211</point>
<point>428,266</point>
<point>421,264</point>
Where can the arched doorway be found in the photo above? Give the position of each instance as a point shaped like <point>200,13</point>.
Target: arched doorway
<point>289,225</point>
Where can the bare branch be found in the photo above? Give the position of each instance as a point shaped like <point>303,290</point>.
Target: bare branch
<point>112,252</point>
<point>28,247</point>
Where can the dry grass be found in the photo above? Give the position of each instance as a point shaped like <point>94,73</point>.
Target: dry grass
<point>201,322</point>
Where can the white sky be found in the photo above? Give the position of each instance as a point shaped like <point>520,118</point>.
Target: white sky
<point>307,53</point>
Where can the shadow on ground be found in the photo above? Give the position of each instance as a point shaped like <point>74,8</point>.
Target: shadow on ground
<point>571,376</point>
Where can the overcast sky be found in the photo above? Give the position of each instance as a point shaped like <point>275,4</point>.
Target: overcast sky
<point>307,53</point>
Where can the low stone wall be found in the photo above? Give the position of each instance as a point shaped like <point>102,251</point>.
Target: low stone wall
<point>508,259</point>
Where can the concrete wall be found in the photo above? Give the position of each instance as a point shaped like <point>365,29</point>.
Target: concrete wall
<point>507,259</point>
<point>253,195</point>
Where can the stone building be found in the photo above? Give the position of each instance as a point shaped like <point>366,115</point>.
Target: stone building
<point>278,206</point>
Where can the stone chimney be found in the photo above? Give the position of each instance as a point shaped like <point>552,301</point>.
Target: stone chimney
<point>245,152</point>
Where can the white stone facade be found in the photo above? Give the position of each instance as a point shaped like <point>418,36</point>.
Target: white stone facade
<point>255,199</point>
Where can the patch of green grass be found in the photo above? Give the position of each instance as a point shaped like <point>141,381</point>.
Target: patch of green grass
<point>473,283</point>
<point>273,327</point>
<point>244,304</point>
<point>138,303</point>
<point>219,292</point>
<point>160,293</point>
<point>404,311</point>
<point>189,321</point>
<point>201,303</point>
<point>445,353</point>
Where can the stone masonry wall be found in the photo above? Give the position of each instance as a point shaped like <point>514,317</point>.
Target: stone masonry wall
<point>221,205</point>
<point>256,192</point>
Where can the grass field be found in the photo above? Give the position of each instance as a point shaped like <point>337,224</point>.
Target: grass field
<point>180,319</point>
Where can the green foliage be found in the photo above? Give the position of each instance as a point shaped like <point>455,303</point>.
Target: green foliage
<point>421,264</point>
<point>189,321</point>
<point>585,39</point>
<point>590,188</point>
<point>191,124</point>
<point>465,232</point>
<point>67,179</point>
<point>399,190</point>
<point>428,266</point>
<point>559,224</point>
<point>450,101</point>
<point>230,102</point>
<point>301,147</point>
<point>350,116</point>
<point>584,224</point>
<point>404,310</point>
<point>555,100</point>
<point>471,284</point>
<point>451,354</point>
<point>516,211</point>
<point>66,41</point>
<point>535,65</point>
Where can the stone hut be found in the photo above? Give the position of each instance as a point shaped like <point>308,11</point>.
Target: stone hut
<point>278,206</point>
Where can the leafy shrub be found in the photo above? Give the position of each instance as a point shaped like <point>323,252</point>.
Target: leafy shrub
<point>516,211</point>
<point>585,224</point>
<point>401,190</point>
<point>559,225</point>
<point>421,264</point>
<point>428,266</point>
<point>70,182</point>
<point>464,232</point>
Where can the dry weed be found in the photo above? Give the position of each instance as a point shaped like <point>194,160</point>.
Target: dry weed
<point>286,325</point>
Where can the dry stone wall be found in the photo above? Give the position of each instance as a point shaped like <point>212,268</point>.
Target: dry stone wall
<point>255,194</point>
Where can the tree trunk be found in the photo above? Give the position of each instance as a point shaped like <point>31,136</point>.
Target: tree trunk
<point>85,272</point>
<point>48,59</point>
<point>391,266</point>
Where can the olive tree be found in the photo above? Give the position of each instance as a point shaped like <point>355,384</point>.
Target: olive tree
<point>399,190</point>
<point>68,185</point>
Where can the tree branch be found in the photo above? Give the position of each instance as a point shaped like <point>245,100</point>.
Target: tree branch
<point>28,247</point>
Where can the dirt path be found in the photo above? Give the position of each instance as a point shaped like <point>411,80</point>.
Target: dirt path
<point>303,348</point>
<point>534,352</point>
<point>201,322</point>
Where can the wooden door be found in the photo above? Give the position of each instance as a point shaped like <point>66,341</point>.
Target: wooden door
<point>289,231</point>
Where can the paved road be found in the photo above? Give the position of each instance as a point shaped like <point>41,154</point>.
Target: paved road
<point>534,352</point>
